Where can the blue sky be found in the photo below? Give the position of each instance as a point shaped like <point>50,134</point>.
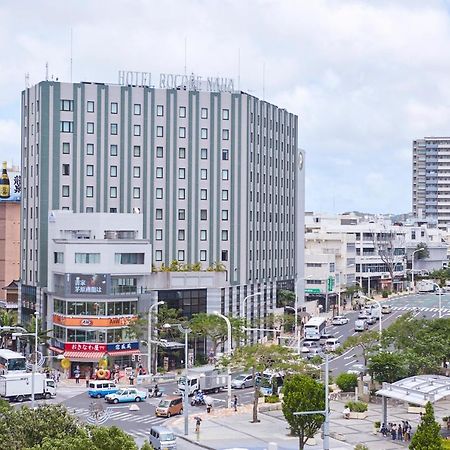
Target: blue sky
<point>365,77</point>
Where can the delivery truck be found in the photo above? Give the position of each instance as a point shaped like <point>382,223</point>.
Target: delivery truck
<point>17,387</point>
<point>203,379</point>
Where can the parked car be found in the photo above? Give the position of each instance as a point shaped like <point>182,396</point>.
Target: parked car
<point>339,320</point>
<point>169,406</point>
<point>386,309</point>
<point>243,381</point>
<point>126,395</point>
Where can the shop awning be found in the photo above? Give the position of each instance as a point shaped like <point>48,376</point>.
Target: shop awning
<point>84,355</point>
<point>56,349</point>
<point>124,352</point>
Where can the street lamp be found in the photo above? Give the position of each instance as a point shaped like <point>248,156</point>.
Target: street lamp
<point>379,310</point>
<point>186,331</point>
<point>243,312</point>
<point>412,267</point>
<point>149,333</point>
<point>229,352</point>
<point>440,299</point>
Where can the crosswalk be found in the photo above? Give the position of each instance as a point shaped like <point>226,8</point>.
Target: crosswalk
<point>419,308</point>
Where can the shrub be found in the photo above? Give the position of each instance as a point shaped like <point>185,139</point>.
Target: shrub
<point>377,424</point>
<point>385,294</point>
<point>361,447</point>
<point>347,381</point>
<point>445,444</point>
<point>356,406</point>
<point>146,446</point>
<point>271,399</point>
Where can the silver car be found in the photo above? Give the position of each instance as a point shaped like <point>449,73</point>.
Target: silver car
<point>242,381</point>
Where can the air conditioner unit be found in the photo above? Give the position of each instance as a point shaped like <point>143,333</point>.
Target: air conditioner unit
<point>385,276</point>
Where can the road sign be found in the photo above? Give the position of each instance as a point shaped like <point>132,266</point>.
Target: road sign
<point>312,291</point>
<point>330,284</point>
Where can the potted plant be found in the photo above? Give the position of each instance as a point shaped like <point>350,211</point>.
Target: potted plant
<point>376,426</point>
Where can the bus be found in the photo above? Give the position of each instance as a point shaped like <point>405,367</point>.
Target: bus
<point>314,328</point>
<point>11,362</point>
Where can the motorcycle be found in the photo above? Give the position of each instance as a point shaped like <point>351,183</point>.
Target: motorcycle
<point>154,394</point>
<point>198,400</point>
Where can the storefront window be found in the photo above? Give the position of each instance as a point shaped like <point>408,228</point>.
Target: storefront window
<point>71,335</point>
<point>101,336</point>
<point>125,307</point>
<point>110,308</point>
<point>133,308</point>
<point>117,308</point>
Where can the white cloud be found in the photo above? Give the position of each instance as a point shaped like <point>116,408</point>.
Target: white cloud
<point>366,78</point>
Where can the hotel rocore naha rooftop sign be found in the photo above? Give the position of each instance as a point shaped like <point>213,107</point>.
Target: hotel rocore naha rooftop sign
<point>174,81</point>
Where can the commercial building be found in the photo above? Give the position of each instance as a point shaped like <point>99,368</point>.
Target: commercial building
<point>431,180</point>
<point>216,176</point>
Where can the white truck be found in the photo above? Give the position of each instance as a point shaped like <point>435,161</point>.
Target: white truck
<point>424,286</point>
<point>203,379</point>
<point>17,386</point>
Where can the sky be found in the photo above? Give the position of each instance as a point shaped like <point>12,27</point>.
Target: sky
<point>364,77</point>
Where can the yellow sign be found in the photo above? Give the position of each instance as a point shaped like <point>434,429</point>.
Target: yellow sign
<point>103,363</point>
<point>65,363</point>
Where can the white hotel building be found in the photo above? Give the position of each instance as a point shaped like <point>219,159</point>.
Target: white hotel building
<point>216,176</point>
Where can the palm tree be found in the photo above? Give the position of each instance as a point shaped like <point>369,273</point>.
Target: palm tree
<point>7,319</point>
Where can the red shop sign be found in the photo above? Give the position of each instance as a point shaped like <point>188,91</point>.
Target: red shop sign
<point>80,347</point>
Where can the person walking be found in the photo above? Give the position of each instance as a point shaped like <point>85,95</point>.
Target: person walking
<point>394,432</point>
<point>131,378</point>
<point>87,377</point>
<point>198,422</point>
<point>235,401</point>
<point>77,374</point>
<point>400,432</point>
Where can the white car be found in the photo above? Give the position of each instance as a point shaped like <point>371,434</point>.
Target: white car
<point>357,369</point>
<point>308,345</point>
<point>339,320</point>
<point>386,309</point>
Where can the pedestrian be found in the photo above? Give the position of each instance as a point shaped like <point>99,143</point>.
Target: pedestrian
<point>400,432</point>
<point>131,378</point>
<point>87,377</point>
<point>77,374</point>
<point>235,402</point>
<point>198,422</point>
<point>394,432</point>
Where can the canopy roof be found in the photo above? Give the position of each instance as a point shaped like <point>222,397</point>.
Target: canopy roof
<point>418,390</point>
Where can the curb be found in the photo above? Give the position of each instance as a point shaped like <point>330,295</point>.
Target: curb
<point>198,444</point>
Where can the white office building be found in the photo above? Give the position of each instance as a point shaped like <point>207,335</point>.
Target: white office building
<point>216,176</point>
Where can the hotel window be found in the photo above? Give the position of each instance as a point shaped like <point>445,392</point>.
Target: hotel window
<point>203,235</point>
<point>113,192</point>
<point>158,255</point>
<point>136,172</point>
<point>202,255</point>
<point>204,133</point>
<point>114,128</point>
<point>160,110</point>
<point>114,108</point>
<point>89,191</point>
<point>224,255</point>
<point>89,209</point>
<point>182,153</point>
<point>225,135</point>
<point>180,255</point>
<point>137,109</point>
<point>113,171</point>
<point>129,258</point>
<point>224,194</point>
<point>204,153</point>
<point>158,234</point>
<point>203,194</point>
<point>224,214</point>
<point>225,174</point>
<point>203,214</point>
<point>66,148</point>
<point>137,130</point>
<point>181,194</point>
<point>181,173</point>
<point>203,174</point>
<point>65,191</point>
<point>90,107</point>
<point>89,149</point>
<point>65,169</point>
<point>224,235</point>
<point>182,112</point>
<point>136,192</point>
<point>181,214</point>
<point>225,114</point>
<point>66,105</point>
<point>224,154</point>
<point>58,257</point>
<point>90,170</point>
<point>159,172</point>
<point>87,258</point>
<point>137,150</point>
<point>181,235</point>
<point>113,150</point>
<point>159,152</point>
<point>66,127</point>
<point>204,113</point>
<point>159,213</point>
<point>182,132</point>
<point>159,193</point>
<point>159,131</point>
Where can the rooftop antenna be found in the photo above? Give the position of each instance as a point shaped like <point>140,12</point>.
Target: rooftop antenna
<point>264,81</point>
<point>239,69</point>
<point>27,80</point>
<point>46,71</point>
<point>185,55</point>
<point>71,53</point>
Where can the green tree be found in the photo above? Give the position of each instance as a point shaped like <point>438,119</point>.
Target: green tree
<point>285,298</point>
<point>427,436</point>
<point>367,341</point>
<point>423,252</point>
<point>302,393</point>
<point>387,366</point>
<point>146,446</point>
<point>259,358</point>
<point>111,438</point>
<point>347,381</point>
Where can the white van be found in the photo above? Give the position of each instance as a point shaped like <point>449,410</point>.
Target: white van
<point>332,344</point>
<point>162,438</point>
<point>361,325</point>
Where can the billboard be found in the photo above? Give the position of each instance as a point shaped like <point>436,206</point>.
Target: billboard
<point>12,190</point>
<point>88,284</point>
